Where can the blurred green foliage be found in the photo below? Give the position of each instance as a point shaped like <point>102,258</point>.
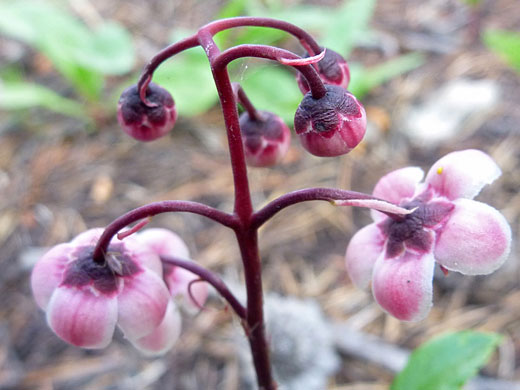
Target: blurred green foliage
<point>85,56</point>
<point>82,55</point>
<point>506,44</point>
<point>447,362</point>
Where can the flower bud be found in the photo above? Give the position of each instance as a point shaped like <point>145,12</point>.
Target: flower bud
<point>333,69</point>
<point>266,139</point>
<point>146,122</point>
<point>332,125</point>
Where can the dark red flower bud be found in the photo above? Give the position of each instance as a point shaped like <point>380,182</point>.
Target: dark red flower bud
<point>332,125</point>
<point>146,122</point>
<point>266,139</point>
<point>332,68</point>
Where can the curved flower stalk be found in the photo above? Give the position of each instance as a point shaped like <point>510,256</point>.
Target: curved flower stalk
<point>333,69</point>
<point>446,227</point>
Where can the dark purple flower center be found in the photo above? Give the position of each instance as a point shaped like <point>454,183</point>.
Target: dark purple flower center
<point>416,230</point>
<point>85,271</point>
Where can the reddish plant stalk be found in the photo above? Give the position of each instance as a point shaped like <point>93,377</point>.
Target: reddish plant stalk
<point>244,221</point>
<point>212,279</point>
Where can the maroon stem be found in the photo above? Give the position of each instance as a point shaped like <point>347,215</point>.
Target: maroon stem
<point>244,101</point>
<point>212,279</point>
<point>273,53</point>
<point>246,235</point>
<point>255,323</point>
<point>308,194</point>
<point>243,206</point>
<point>306,40</point>
<point>152,209</point>
<point>164,54</point>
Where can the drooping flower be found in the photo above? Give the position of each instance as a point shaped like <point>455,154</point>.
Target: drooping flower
<point>146,122</point>
<point>85,300</point>
<point>332,125</point>
<point>446,227</point>
<point>266,139</point>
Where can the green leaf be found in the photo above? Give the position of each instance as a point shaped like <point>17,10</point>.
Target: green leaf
<point>506,44</point>
<point>348,25</point>
<point>87,82</point>
<point>259,35</point>
<point>363,80</point>
<point>447,362</point>
<point>188,78</point>
<point>21,95</point>
<point>472,3</point>
<point>109,50</point>
<point>231,9</point>
<point>81,55</point>
<point>274,89</point>
<point>339,28</point>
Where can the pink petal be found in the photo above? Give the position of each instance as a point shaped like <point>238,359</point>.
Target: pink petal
<point>164,242</point>
<point>179,281</point>
<point>403,286</point>
<point>142,304</point>
<point>476,239</point>
<point>48,273</point>
<point>397,186</point>
<point>162,339</point>
<point>89,237</point>
<point>462,174</point>
<point>141,253</point>
<point>81,318</point>
<point>362,252</point>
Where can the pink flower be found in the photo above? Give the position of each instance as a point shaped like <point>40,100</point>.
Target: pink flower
<point>164,242</point>
<point>84,300</point>
<point>446,227</point>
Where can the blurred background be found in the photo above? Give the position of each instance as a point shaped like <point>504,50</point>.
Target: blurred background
<point>434,75</point>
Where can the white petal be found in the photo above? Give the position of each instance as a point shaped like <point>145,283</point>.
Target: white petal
<point>462,174</point>
<point>476,239</point>
<point>362,252</point>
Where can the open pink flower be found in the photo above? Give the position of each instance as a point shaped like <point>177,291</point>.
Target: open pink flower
<point>446,227</point>
<point>85,300</point>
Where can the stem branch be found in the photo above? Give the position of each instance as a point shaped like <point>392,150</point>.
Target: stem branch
<point>329,195</point>
<point>276,54</point>
<point>306,40</point>
<point>152,209</point>
<point>212,279</point>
